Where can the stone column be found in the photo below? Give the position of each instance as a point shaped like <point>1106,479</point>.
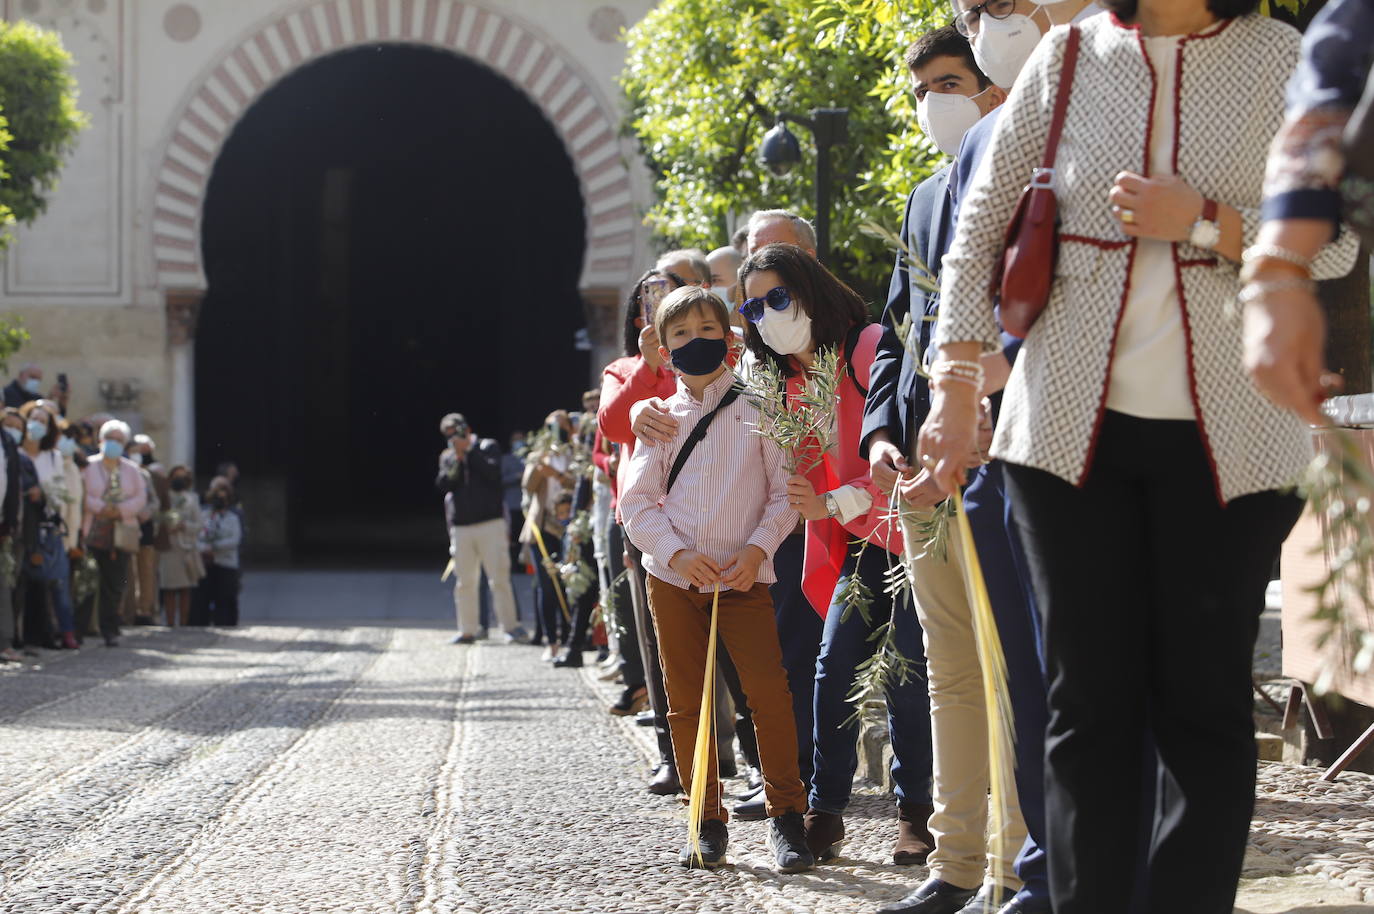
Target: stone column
<point>183,313</point>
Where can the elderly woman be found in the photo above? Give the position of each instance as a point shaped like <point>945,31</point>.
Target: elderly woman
<point>56,512</point>
<point>115,494</point>
<point>1146,474</point>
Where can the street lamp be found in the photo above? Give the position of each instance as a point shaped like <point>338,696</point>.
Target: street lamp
<point>780,151</point>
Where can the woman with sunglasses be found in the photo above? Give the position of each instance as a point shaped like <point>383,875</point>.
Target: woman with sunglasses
<point>795,308</point>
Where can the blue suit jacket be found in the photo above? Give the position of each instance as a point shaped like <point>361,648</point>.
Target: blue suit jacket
<point>898,398</point>
<point>961,174</point>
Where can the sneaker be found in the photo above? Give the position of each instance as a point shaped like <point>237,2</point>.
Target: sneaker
<point>461,638</point>
<point>518,635</point>
<point>713,841</point>
<point>787,841</point>
<point>632,701</point>
<point>644,718</point>
<point>824,834</point>
<point>550,654</point>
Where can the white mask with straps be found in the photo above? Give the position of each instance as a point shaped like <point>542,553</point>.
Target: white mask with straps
<point>1002,46</point>
<point>945,117</point>
<point>786,332</point>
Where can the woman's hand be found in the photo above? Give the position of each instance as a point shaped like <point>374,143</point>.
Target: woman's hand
<point>801,495</point>
<point>1162,209</point>
<point>651,423</point>
<point>648,348</point>
<point>1285,341</point>
<point>950,434</point>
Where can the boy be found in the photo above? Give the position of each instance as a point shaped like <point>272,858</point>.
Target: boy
<point>717,523</point>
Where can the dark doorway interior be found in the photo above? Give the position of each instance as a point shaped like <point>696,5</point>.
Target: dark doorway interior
<point>390,234</point>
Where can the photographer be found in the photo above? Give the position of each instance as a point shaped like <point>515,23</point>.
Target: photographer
<point>470,478</point>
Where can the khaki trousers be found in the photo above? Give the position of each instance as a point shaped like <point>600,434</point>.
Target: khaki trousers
<point>475,547</point>
<point>958,720</point>
<point>746,625</point>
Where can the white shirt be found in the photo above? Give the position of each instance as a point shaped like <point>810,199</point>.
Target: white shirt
<point>1149,375</point>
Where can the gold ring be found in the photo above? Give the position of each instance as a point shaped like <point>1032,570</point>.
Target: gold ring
<point>1128,216</point>
<point>927,460</point>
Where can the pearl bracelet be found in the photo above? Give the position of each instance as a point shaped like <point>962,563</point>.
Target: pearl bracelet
<point>1257,289</point>
<point>1252,255</point>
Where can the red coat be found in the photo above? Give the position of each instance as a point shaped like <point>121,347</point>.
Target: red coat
<point>625,382</point>
<point>827,540</point>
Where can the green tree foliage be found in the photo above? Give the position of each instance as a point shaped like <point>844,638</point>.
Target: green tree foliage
<point>695,69</point>
<point>40,119</point>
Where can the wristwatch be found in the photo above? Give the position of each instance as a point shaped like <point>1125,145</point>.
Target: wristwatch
<point>832,507</point>
<point>1206,233</point>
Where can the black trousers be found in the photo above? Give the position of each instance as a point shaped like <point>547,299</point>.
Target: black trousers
<point>114,577</point>
<point>216,599</point>
<point>648,650</point>
<point>585,605</point>
<point>631,661</point>
<point>1151,592</point>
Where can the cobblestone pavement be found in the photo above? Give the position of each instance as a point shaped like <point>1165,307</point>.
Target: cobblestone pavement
<point>377,768</point>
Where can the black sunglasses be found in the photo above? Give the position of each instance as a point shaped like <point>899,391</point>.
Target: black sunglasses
<point>966,22</point>
<point>778,299</point>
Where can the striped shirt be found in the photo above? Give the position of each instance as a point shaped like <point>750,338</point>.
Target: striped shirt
<point>731,493</point>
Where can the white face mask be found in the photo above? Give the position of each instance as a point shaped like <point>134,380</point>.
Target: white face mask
<point>786,332</point>
<point>945,118</point>
<point>724,293</point>
<point>1002,46</point>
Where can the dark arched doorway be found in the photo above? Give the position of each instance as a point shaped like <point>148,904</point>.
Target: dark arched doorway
<point>391,233</point>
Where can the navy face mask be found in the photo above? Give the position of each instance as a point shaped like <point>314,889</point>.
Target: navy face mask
<point>700,356</point>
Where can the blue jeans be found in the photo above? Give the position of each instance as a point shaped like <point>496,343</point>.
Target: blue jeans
<point>1018,626</point>
<point>846,643</point>
<point>61,594</point>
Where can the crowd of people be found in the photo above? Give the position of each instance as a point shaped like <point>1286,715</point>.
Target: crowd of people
<point>1126,485</point>
<point>97,534</point>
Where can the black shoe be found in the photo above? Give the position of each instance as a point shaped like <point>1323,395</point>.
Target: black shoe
<point>602,654</point>
<point>787,840</point>
<point>144,620</point>
<point>665,781</point>
<point>1021,904</point>
<point>644,719</point>
<point>462,639</point>
<point>751,809</point>
<point>571,660</point>
<point>111,641</point>
<point>934,896</point>
<point>713,840</point>
<point>632,701</point>
<point>989,898</point>
<point>726,766</point>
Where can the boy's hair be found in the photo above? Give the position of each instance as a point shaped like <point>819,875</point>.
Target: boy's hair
<point>944,42</point>
<point>678,303</point>
<point>564,499</point>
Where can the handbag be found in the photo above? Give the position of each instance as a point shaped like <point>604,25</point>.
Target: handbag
<point>1025,270</point>
<point>1357,184</point>
<point>46,562</point>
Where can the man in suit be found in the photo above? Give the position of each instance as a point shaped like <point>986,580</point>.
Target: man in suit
<point>953,95</point>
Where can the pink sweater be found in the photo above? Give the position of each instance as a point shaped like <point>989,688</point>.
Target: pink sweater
<point>135,494</point>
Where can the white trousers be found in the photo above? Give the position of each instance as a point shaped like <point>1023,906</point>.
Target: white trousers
<point>475,547</point>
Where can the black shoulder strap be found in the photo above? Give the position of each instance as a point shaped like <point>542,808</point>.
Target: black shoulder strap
<point>698,433</point>
<point>851,342</point>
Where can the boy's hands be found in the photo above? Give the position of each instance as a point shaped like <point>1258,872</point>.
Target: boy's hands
<point>743,567</point>
<point>698,569</point>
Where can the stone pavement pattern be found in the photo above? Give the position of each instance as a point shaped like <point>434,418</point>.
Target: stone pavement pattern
<point>314,768</point>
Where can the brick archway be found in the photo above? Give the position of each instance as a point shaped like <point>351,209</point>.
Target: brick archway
<point>530,60</point>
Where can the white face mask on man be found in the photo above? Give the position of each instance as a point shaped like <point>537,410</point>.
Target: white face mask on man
<point>1002,46</point>
<point>723,293</point>
<point>945,117</point>
<point>786,332</point>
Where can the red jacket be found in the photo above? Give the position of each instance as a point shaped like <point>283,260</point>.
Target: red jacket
<point>625,382</point>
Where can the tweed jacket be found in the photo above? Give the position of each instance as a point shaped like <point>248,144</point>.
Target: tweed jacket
<point>1229,105</point>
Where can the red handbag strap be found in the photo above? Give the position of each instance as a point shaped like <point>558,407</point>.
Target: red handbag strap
<point>1061,100</point>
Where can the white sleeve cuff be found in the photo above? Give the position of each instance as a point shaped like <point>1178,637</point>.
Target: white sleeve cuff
<point>853,502</point>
